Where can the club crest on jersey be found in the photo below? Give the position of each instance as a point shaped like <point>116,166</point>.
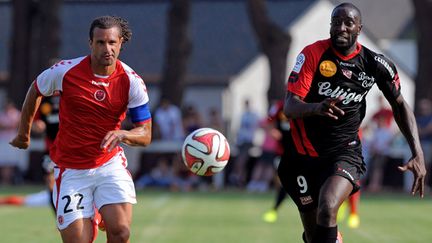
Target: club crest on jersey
<point>327,68</point>
<point>347,73</point>
<point>99,95</point>
<point>60,219</point>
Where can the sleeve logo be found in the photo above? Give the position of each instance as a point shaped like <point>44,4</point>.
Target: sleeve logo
<point>327,68</point>
<point>299,63</point>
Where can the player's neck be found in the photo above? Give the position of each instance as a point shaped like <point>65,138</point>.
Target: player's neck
<point>103,70</point>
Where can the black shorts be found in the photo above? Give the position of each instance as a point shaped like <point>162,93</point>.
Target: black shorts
<point>303,176</point>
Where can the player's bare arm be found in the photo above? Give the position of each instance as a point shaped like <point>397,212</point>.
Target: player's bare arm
<point>140,135</point>
<point>405,119</point>
<point>295,107</point>
<point>30,106</point>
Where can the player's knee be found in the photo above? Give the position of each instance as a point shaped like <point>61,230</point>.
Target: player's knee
<point>327,212</point>
<point>119,234</point>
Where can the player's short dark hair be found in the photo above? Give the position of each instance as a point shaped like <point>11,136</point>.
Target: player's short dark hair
<point>352,6</point>
<point>106,22</point>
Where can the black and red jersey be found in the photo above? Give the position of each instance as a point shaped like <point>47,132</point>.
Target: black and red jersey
<point>321,72</point>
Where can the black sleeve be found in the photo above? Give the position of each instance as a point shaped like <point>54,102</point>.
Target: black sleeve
<point>387,77</point>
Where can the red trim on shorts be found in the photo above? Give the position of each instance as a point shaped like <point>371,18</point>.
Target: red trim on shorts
<point>296,138</point>
<point>58,182</point>
<point>308,145</point>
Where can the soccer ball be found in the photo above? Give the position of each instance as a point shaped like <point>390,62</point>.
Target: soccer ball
<point>205,151</point>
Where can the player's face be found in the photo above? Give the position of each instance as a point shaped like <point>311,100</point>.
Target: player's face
<point>345,27</point>
<point>105,46</point>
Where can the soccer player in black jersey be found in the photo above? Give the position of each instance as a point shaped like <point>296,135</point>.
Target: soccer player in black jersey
<point>325,103</point>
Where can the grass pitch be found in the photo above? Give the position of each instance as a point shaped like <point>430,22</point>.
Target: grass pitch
<point>229,217</point>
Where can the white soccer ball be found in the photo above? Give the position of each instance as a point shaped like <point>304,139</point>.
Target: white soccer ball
<point>205,151</point>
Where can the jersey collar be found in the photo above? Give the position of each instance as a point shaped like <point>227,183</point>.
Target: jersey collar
<point>345,58</point>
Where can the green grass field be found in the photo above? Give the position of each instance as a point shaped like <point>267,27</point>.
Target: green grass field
<point>229,217</point>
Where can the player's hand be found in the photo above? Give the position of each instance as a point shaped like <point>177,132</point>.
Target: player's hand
<point>417,166</point>
<point>20,141</point>
<point>328,108</point>
<point>112,139</point>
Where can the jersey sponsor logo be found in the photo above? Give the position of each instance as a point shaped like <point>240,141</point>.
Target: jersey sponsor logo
<point>346,173</point>
<point>306,200</point>
<point>299,62</point>
<point>347,73</point>
<point>327,68</point>
<point>99,95</point>
<point>346,64</point>
<point>100,83</point>
<point>348,96</point>
<point>367,81</point>
<point>386,65</point>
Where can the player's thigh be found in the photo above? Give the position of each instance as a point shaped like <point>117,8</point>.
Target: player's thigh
<point>114,184</point>
<point>73,196</point>
<point>116,215</point>
<point>301,181</point>
<point>79,231</point>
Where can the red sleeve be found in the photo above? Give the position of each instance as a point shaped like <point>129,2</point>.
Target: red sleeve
<point>303,72</point>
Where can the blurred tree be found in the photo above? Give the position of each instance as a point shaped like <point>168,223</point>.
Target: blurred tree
<point>274,42</point>
<point>177,52</point>
<point>423,18</point>
<point>35,42</point>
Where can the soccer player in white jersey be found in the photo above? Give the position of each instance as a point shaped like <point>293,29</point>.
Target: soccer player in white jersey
<point>96,91</point>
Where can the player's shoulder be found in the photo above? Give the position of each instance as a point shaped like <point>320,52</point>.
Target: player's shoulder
<point>66,64</point>
<point>382,63</point>
<point>132,75</point>
<point>318,46</point>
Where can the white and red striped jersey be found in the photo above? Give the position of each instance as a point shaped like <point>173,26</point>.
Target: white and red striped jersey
<point>90,106</point>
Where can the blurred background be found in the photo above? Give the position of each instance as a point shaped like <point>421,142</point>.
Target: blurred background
<point>211,62</point>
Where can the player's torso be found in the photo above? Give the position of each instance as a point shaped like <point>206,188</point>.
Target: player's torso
<point>90,106</point>
<point>336,76</point>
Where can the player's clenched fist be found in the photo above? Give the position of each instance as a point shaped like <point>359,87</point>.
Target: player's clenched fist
<point>20,142</point>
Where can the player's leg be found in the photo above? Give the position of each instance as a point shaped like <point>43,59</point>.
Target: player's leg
<point>72,195</point>
<point>332,194</point>
<point>308,219</point>
<point>114,196</point>
<point>117,219</point>
<point>77,232</point>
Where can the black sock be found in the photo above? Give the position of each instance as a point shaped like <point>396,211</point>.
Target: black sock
<point>280,197</point>
<point>325,234</point>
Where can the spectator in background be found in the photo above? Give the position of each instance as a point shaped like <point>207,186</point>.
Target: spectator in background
<point>215,121</point>
<point>379,149</point>
<point>263,171</point>
<point>384,113</point>
<point>249,124</point>
<point>168,119</point>
<point>160,176</point>
<point>424,125</point>
<point>9,158</point>
<point>191,119</point>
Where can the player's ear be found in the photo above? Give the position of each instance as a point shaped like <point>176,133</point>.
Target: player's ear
<point>359,29</point>
<point>90,42</point>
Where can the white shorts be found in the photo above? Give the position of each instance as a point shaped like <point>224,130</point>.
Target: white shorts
<point>77,192</point>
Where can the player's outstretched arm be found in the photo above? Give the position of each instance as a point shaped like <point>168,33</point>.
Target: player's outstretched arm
<point>406,122</point>
<point>140,135</point>
<point>295,107</point>
<point>28,111</point>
